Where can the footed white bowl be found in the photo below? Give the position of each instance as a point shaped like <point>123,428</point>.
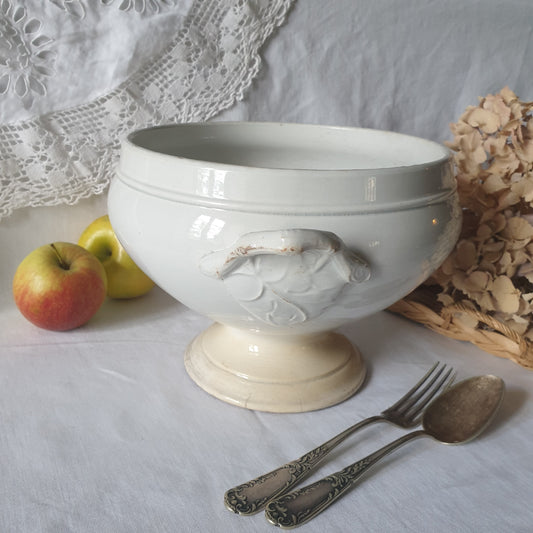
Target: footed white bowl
<point>281,233</point>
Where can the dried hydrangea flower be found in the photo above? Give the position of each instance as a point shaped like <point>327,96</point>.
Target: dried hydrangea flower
<point>491,267</point>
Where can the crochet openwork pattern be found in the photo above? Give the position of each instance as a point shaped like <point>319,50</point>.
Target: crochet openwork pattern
<point>64,156</point>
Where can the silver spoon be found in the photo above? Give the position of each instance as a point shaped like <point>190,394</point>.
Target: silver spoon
<point>457,416</point>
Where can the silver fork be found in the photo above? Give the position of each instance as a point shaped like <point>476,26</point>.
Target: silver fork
<point>252,496</point>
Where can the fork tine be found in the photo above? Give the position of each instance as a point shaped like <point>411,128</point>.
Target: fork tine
<point>420,393</point>
<point>450,382</point>
<point>416,410</point>
<point>411,391</point>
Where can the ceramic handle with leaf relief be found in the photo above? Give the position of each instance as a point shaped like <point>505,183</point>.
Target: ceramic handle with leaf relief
<point>286,277</point>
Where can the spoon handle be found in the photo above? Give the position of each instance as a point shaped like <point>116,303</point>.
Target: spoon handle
<point>303,504</point>
<point>252,496</point>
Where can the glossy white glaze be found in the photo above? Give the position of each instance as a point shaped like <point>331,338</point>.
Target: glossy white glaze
<point>282,232</point>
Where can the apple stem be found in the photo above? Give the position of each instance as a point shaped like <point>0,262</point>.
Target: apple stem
<point>62,263</point>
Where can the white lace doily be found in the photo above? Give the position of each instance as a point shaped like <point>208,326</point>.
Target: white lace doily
<point>54,157</point>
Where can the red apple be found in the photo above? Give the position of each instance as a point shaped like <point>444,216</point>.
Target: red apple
<point>59,286</point>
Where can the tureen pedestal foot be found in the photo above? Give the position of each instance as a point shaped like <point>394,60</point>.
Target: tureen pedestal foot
<point>276,373</point>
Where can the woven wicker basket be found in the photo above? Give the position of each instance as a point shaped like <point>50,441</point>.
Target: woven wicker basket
<point>490,334</point>
<point>483,293</point>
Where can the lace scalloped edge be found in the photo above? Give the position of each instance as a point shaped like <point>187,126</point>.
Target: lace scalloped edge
<point>66,156</point>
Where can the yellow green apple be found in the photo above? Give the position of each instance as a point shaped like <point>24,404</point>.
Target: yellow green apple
<point>124,278</point>
<point>59,286</point>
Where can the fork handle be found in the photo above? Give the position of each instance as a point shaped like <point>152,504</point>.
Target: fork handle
<point>252,496</point>
<point>300,506</point>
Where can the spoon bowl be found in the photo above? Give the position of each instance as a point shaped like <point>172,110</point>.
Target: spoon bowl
<point>457,416</point>
<point>463,412</point>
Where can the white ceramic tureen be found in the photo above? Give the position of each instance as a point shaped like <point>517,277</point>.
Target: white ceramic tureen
<point>281,233</point>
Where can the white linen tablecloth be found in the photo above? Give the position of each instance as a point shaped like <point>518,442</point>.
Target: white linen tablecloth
<point>104,432</point>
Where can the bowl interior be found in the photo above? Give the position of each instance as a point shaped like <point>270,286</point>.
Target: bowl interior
<point>289,146</point>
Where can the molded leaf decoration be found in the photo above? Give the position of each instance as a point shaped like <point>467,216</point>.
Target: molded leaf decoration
<point>286,277</point>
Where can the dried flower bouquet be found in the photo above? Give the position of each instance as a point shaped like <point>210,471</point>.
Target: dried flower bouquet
<point>483,292</point>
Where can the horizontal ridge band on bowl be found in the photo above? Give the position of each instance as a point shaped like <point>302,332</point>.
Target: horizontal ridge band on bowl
<point>217,157</point>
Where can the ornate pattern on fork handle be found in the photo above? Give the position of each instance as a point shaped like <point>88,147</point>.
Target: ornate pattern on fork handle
<point>237,499</point>
<point>252,496</point>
